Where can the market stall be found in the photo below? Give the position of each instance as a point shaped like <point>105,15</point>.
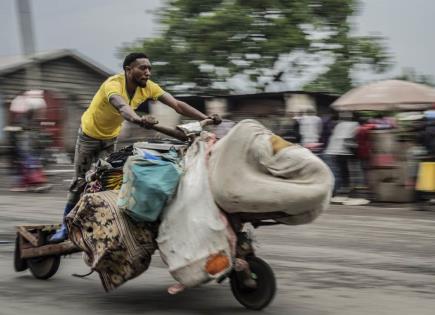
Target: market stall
<point>392,172</point>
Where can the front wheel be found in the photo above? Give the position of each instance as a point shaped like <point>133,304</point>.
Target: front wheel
<point>44,267</point>
<point>259,296</point>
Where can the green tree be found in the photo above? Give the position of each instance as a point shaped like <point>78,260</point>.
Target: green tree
<point>206,42</point>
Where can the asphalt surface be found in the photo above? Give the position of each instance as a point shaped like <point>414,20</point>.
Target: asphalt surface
<point>352,260</point>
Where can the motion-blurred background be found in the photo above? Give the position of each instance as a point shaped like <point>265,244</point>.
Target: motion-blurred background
<point>281,62</point>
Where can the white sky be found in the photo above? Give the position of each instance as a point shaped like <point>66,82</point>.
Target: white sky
<point>97,27</point>
<point>408,25</point>
<point>93,27</point>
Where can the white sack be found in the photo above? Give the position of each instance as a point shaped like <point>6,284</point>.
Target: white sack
<point>192,229</point>
<point>245,176</point>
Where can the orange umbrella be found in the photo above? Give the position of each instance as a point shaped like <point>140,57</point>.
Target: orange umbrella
<point>387,95</point>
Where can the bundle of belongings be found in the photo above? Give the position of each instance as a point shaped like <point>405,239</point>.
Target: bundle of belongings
<point>113,244</point>
<point>116,221</point>
<point>283,177</point>
<point>150,178</point>
<point>174,200</point>
<point>194,238</point>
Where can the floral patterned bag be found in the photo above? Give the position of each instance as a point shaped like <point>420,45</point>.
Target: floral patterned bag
<point>114,245</point>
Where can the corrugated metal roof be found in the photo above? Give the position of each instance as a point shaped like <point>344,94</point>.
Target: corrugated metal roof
<point>10,64</point>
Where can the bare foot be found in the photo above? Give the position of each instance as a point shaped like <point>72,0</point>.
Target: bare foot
<point>240,264</point>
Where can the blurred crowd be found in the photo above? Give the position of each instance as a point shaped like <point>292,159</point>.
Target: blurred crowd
<point>368,152</point>
<point>27,142</point>
<point>355,144</point>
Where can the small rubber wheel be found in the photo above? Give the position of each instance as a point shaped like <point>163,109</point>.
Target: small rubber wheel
<point>20,264</point>
<point>263,293</point>
<point>44,267</point>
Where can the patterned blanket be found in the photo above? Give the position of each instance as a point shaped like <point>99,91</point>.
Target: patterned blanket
<point>114,245</point>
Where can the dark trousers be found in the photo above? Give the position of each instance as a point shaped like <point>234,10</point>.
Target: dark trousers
<point>87,151</point>
<point>339,165</point>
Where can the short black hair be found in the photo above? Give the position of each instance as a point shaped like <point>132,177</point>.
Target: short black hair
<point>131,58</point>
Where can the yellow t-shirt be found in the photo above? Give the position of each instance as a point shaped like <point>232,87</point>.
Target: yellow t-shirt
<point>102,120</point>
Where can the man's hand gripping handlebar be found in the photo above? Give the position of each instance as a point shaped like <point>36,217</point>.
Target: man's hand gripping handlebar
<point>150,122</point>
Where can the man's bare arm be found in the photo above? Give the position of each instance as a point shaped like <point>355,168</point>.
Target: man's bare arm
<point>172,132</point>
<point>181,107</point>
<point>178,133</point>
<point>128,114</point>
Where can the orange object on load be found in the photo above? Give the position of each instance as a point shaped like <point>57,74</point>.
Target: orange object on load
<point>217,263</point>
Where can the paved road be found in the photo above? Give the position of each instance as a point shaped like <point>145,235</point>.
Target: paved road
<point>360,260</point>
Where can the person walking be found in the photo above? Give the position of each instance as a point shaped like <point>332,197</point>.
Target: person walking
<point>311,129</point>
<point>338,153</point>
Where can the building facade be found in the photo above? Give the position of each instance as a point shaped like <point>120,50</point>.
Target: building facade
<point>68,79</point>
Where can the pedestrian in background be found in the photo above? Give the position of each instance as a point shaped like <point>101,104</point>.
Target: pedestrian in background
<point>24,130</point>
<point>428,136</point>
<point>364,147</point>
<point>290,129</point>
<point>338,153</point>
<point>329,122</point>
<point>311,129</point>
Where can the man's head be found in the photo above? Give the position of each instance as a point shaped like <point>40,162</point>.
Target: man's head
<point>137,68</point>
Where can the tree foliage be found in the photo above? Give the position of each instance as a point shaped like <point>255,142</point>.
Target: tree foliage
<point>206,42</point>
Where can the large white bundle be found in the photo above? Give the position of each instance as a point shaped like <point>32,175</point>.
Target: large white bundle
<point>193,230</point>
<point>246,175</point>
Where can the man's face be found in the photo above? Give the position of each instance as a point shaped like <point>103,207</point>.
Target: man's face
<point>139,71</point>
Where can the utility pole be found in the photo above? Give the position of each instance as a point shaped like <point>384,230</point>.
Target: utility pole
<point>25,21</point>
<point>26,27</point>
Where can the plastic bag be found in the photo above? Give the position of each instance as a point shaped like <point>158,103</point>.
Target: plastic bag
<point>192,235</point>
<point>148,183</point>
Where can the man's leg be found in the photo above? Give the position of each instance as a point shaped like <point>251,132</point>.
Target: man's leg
<point>344,168</point>
<point>86,151</point>
<point>107,147</point>
<point>343,173</point>
<point>331,161</point>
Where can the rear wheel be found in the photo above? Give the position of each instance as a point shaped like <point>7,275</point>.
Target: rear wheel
<point>258,297</point>
<point>20,264</point>
<point>44,267</point>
